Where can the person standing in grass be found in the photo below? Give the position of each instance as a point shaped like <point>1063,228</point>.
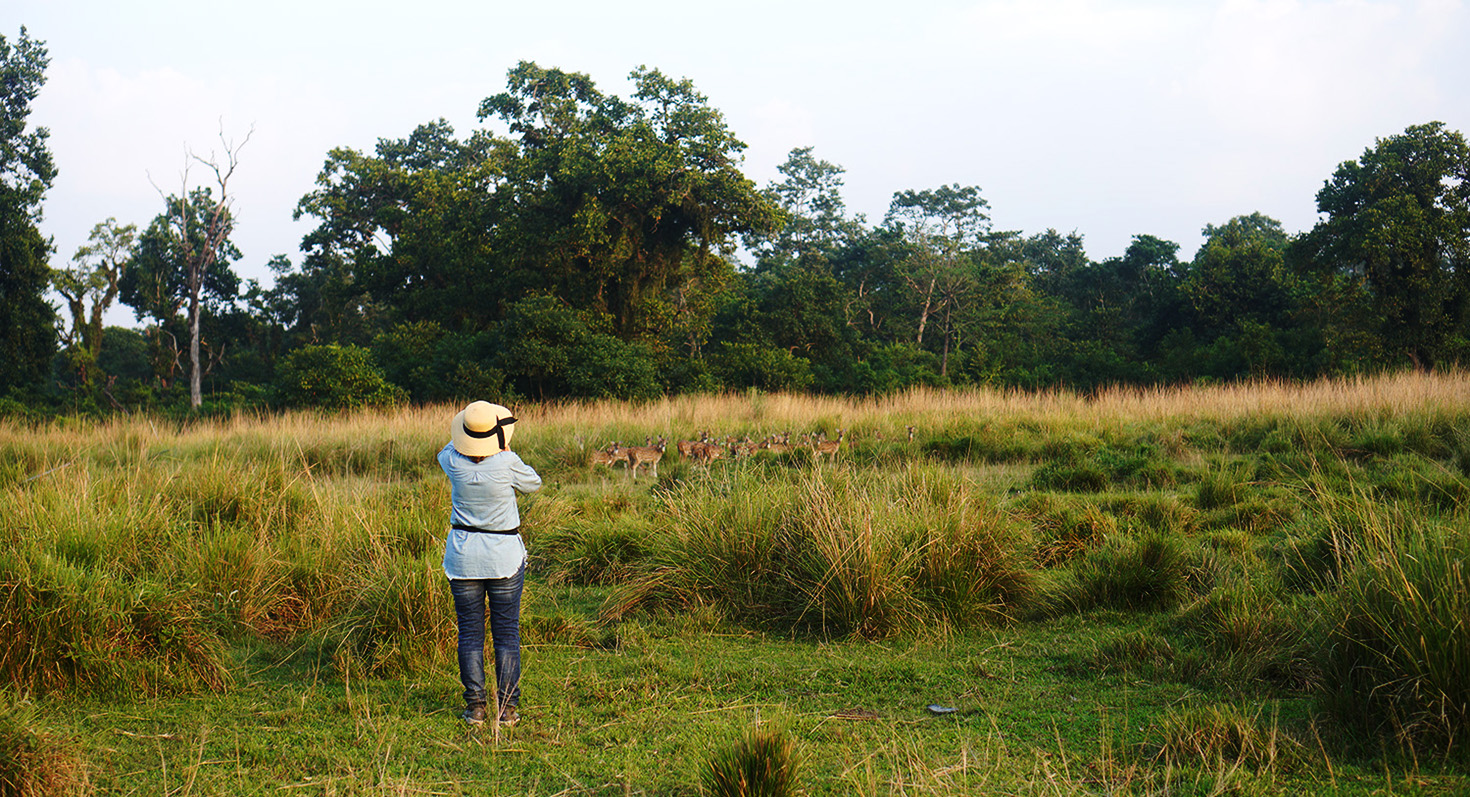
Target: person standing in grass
<point>484,556</point>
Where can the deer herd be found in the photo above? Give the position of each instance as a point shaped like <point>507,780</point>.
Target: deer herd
<point>706,450</point>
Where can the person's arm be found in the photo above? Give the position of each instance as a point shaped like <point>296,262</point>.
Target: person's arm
<point>523,477</point>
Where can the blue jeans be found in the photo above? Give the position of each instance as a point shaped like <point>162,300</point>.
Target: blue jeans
<point>503,596</point>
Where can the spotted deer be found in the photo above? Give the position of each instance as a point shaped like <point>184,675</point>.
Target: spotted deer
<point>607,456</point>
<point>646,455</point>
<point>828,448</point>
<point>708,452</point>
<point>689,449</point>
<point>743,448</point>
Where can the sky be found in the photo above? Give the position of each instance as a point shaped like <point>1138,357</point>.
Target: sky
<point>1108,118</point>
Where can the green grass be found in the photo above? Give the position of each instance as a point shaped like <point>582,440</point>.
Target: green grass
<point>1138,597</point>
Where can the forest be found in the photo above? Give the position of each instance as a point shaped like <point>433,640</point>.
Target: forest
<point>611,247</point>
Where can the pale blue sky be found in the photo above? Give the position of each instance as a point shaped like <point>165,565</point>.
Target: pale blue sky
<point>1108,118</point>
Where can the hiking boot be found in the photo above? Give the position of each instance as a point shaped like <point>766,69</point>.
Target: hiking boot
<point>474,714</point>
<point>509,716</point>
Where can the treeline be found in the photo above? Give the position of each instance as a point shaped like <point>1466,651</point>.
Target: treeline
<point>604,246</point>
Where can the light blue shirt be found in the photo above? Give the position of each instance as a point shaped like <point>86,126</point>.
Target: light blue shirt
<point>483,494</point>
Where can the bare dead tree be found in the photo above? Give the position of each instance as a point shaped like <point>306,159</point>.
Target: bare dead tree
<point>199,254</point>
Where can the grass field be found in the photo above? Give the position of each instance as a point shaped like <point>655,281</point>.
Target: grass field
<point>1251,589</point>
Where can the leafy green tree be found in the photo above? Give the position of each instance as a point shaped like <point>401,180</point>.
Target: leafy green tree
<point>942,228</point>
<point>405,236</point>
<point>89,286</point>
<point>546,348</point>
<point>1242,291</point>
<point>1120,308</point>
<point>616,203</point>
<point>813,212</point>
<point>764,367</point>
<point>27,321</point>
<point>1397,237</point>
<point>626,209</point>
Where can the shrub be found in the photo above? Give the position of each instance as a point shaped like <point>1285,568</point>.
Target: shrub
<point>333,377</point>
<point>763,764</point>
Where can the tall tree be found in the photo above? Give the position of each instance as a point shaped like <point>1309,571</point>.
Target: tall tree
<point>1241,290</point>
<point>89,286</point>
<point>167,276</point>
<point>1398,224</point>
<point>200,224</point>
<point>27,321</point>
<point>616,204</point>
<point>942,226</point>
<point>814,213</point>
<point>405,235</point>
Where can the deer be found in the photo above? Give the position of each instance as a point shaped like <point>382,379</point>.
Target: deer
<point>607,456</point>
<point>708,452</point>
<point>744,448</point>
<point>828,448</point>
<point>646,455</point>
<point>690,448</point>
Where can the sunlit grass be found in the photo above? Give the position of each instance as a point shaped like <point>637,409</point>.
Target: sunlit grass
<point>1045,562</point>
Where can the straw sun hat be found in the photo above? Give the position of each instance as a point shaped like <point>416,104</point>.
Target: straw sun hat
<point>482,429</point>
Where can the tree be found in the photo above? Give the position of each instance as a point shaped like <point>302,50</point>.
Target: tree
<point>405,236</point>
<point>941,226</point>
<point>1240,289</point>
<point>200,234</point>
<point>89,287</point>
<point>333,377</point>
<point>168,274</point>
<point>615,205</point>
<point>814,213</point>
<point>1398,225</point>
<point>27,321</point>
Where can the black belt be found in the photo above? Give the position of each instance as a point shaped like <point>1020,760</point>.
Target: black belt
<point>463,527</point>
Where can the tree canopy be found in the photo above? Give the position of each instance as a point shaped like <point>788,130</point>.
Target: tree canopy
<point>26,171</point>
<point>584,244</point>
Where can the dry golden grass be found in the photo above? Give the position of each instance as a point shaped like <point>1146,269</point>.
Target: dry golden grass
<point>590,423</point>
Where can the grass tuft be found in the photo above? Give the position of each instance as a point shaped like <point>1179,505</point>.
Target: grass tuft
<point>1396,654</point>
<point>1223,736</point>
<point>838,553</point>
<point>763,764</point>
<point>403,621</point>
<point>34,762</point>
<point>1150,572</point>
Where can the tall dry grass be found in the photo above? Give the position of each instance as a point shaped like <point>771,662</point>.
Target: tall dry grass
<point>392,443</point>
